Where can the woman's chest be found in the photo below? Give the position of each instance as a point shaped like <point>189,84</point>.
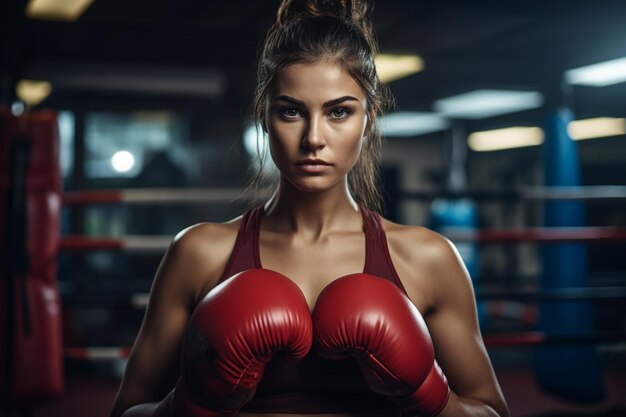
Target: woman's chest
<point>313,266</point>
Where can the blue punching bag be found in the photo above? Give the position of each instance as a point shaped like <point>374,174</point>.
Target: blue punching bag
<point>459,215</point>
<point>572,372</point>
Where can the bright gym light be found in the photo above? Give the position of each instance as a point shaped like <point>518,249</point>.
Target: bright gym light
<point>599,127</point>
<point>392,67</point>
<point>255,142</point>
<point>404,124</point>
<point>64,10</point>
<point>598,75</point>
<point>122,161</point>
<point>33,92</point>
<point>507,138</point>
<point>481,104</point>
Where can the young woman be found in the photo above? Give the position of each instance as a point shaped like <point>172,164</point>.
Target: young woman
<point>312,304</point>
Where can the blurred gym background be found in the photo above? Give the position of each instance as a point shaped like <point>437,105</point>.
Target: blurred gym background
<point>156,95</point>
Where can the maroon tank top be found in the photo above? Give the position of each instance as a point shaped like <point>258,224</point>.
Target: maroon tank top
<point>314,385</point>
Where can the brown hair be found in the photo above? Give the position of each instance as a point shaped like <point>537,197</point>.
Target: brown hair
<point>340,30</point>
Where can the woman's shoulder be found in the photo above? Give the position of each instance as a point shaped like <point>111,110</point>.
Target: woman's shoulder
<point>415,241</point>
<point>200,252</point>
<point>424,251</point>
<point>205,238</point>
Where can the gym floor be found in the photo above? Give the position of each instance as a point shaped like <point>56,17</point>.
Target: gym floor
<point>91,396</point>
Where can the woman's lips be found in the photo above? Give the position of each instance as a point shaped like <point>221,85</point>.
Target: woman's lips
<point>313,166</point>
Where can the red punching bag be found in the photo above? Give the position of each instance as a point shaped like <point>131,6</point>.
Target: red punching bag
<point>31,355</point>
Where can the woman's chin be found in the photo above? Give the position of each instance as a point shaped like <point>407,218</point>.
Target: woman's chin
<point>312,184</point>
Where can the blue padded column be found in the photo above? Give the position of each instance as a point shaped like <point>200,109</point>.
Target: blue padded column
<point>572,372</point>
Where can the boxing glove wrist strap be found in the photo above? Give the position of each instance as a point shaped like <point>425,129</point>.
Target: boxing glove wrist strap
<point>184,405</point>
<point>430,398</point>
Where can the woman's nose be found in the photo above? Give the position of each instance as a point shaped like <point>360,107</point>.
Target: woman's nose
<point>313,138</point>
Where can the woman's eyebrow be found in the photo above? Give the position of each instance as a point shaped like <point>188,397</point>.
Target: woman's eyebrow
<point>339,100</point>
<point>290,100</point>
<point>329,103</point>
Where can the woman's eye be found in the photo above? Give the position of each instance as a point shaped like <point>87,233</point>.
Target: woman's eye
<point>340,113</point>
<point>290,113</point>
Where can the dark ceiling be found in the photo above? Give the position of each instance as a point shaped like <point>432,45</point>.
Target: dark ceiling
<point>176,45</point>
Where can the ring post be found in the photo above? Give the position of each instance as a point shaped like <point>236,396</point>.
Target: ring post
<point>570,372</point>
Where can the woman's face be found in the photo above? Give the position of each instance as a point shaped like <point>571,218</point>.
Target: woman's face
<point>316,119</point>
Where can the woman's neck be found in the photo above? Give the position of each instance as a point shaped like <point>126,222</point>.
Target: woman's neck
<point>311,213</point>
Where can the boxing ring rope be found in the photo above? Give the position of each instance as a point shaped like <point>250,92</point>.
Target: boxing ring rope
<point>140,300</point>
<point>554,294</point>
<point>493,340</point>
<point>97,353</point>
<point>539,235</point>
<point>206,195</point>
<point>76,243</point>
<point>154,196</point>
<point>590,192</point>
<point>517,235</point>
<point>533,339</point>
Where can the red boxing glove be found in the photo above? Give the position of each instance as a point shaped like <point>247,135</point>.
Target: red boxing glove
<point>371,319</point>
<point>233,332</point>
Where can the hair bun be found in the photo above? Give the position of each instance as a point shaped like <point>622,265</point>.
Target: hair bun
<point>355,11</point>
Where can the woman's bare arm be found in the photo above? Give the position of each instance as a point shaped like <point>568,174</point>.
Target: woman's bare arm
<point>453,325</point>
<point>191,264</point>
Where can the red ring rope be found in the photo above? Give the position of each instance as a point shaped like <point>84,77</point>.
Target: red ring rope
<point>538,235</point>
<point>495,340</point>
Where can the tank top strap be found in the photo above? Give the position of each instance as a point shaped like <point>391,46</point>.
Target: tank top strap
<point>377,258</point>
<point>245,254</point>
